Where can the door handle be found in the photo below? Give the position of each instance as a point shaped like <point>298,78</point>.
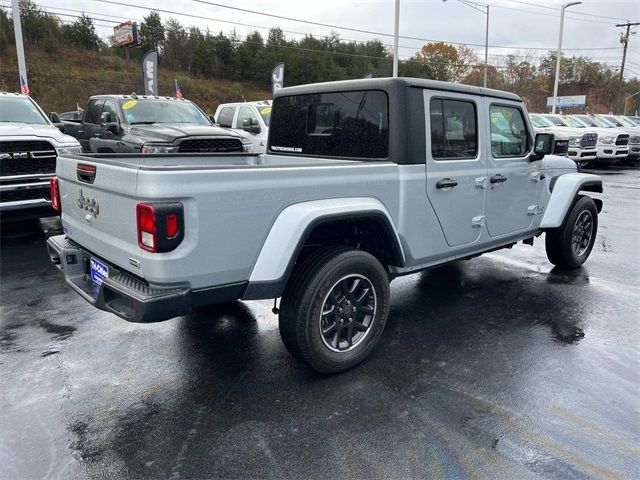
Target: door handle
<point>498,179</point>
<point>99,135</point>
<point>446,183</point>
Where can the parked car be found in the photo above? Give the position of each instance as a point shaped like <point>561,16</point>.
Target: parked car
<point>29,146</point>
<point>606,154</point>
<point>631,128</point>
<point>613,143</point>
<point>249,119</point>
<point>579,145</point>
<point>363,181</point>
<point>146,124</point>
<point>74,116</point>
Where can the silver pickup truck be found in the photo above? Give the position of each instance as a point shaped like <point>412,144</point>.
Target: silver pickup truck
<point>363,181</point>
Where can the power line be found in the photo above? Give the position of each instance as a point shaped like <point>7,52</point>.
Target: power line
<point>337,27</point>
<point>573,13</point>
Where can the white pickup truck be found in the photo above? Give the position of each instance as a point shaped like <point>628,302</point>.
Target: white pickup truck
<point>29,146</point>
<point>363,181</point>
<point>249,119</point>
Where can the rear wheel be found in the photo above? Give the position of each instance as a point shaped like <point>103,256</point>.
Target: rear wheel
<point>334,308</point>
<point>570,245</point>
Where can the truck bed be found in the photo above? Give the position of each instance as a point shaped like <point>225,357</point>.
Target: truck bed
<point>230,202</point>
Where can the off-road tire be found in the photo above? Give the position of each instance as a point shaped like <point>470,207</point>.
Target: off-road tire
<point>306,294</point>
<point>560,242</point>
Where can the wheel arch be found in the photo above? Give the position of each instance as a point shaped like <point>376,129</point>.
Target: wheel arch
<point>318,221</point>
<point>565,190</point>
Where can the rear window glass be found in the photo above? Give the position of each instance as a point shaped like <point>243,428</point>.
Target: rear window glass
<point>341,124</point>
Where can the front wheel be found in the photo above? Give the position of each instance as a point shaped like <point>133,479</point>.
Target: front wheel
<point>334,308</point>
<point>570,245</point>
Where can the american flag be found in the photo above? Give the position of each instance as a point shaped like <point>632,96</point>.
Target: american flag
<point>178,91</point>
<point>24,86</point>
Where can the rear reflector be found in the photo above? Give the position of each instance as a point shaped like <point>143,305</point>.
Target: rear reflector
<point>55,193</point>
<point>172,225</point>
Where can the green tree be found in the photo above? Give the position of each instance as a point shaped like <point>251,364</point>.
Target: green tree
<point>6,30</point>
<point>152,32</point>
<point>82,33</point>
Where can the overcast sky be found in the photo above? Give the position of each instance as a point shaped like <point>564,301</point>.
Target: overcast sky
<point>531,25</point>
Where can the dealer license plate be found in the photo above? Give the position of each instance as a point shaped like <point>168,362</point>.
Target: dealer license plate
<point>99,271</point>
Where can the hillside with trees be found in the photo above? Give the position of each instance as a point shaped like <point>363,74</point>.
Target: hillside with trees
<point>68,62</point>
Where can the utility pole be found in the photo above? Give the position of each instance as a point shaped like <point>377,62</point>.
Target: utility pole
<point>17,30</point>
<point>624,39</point>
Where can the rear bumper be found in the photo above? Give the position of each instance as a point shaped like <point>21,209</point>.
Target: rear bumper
<point>121,293</point>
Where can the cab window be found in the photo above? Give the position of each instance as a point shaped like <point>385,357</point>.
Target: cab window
<point>508,132</point>
<point>92,115</point>
<point>111,108</point>
<point>246,113</point>
<point>353,124</point>
<point>454,134</point>
<point>225,117</point>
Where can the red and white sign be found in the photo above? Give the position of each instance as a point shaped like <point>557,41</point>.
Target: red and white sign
<point>124,34</point>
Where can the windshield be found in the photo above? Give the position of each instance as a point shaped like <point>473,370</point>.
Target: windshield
<point>265,112</point>
<point>612,120</point>
<point>635,120</point>
<point>575,122</point>
<point>603,122</point>
<point>540,122</point>
<point>586,120</point>
<point>146,111</point>
<point>625,122</point>
<point>20,109</point>
<point>556,120</point>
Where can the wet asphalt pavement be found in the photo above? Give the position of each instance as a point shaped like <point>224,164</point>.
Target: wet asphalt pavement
<point>498,367</point>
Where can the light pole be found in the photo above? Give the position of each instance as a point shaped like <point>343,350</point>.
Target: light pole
<point>484,9</point>
<point>559,54</point>
<point>395,39</point>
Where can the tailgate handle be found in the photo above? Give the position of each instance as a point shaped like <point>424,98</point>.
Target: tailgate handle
<point>86,173</point>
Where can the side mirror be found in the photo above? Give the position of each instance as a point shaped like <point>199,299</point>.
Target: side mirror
<point>54,117</point>
<point>543,145</point>
<point>213,119</point>
<point>105,117</point>
<point>248,126</point>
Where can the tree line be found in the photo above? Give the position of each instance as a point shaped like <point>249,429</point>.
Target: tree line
<point>202,53</point>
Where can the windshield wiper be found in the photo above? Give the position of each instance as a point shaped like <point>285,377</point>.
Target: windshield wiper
<point>142,123</point>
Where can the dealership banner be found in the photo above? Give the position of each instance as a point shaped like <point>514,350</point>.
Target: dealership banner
<point>277,78</point>
<point>150,72</point>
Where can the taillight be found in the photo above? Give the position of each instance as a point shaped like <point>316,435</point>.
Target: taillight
<point>160,226</point>
<point>147,237</point>
<point>55,193</point>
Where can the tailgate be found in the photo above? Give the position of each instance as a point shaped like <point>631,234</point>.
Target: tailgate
<point>100,213</point>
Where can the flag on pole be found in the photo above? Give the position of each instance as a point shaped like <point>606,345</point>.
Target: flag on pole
<point>24,86</point>
<point>178,91</point>
<point>79,108</point>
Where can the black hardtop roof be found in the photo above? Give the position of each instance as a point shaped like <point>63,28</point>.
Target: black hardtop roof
<point>388,82</point>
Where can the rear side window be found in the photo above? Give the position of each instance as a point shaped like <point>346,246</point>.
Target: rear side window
<point>225,117</point>
<point>454,133</point>
<point>508,132</point>
<point>341,124</point>
<point>92,114</point>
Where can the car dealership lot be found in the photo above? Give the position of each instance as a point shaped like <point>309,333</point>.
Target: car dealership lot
<point>498,367</point>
